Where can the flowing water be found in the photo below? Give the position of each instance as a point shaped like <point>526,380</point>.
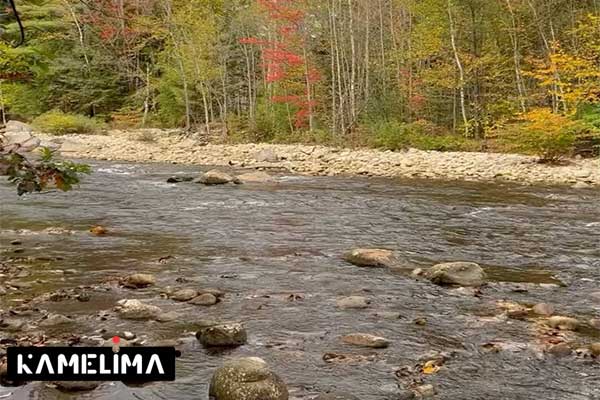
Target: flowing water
<point>275,250</point>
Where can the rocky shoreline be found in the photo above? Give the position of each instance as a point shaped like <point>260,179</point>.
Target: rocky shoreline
<point>165,146</point>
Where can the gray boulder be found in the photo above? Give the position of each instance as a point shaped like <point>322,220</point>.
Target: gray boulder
<point>353,302</point>
<point>457,273</point>
<point>247,379</point>
<point>227,335</point>
<point>267,156</point>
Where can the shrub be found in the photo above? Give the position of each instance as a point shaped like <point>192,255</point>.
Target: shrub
<point>59,123</point>
<point>549,136</point>
<point>421,135</point>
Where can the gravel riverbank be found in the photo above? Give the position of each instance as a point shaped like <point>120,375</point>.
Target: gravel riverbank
<point>159,146</point>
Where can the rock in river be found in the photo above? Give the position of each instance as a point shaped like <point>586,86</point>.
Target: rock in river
<point>135,309</point>
<point>336,396</point>
<point>247,379</point>
<point>206,299</point>
<point>227,335</point>
<point>214,177</point>
<point>353,302</point>
<point>366,340</point>
<point>76,386</point>
<point>595,349</point>
<point>457,273</point>
<point>137,281</point>
<point>563,323</point>
<point>184,295</point>
<point>256,177</point>
<point>377,258</point>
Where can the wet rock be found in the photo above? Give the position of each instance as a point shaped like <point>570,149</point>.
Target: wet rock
<point>218,293</point>
<point>12,325</point>
<point>76,386</point>
<point>595,349</point>
<point>353,302</point>
<point>366,340</point>
<point>167,317</point>
<point>426,391</point>
<point>256,177</point>
<point>336,396</point>
<point>180,179</point>
<point>227,335</point>
<point>266,156</point>
<point>135,309</point>
<point>563,323</point>
<point>184,295</point>
<point>98,230</point>
<point>457,273</point>
<point>543,309</point>
<point>214,177</point>
<point>560,350</point>
<point>16,243</point>
<point>206,299</point>
<point>138,281</point>
<point>595,323</point>
<point>247,379</point>
<point>52,320</point>
<point>595,296</point>
<point>376,258</point>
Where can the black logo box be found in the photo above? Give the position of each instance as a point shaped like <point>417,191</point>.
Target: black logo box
<point>140,364</point>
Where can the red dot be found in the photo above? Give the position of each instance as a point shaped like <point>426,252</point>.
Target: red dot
<point>116,339</point>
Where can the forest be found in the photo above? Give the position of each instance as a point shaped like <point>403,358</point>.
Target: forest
<point>434,74</point>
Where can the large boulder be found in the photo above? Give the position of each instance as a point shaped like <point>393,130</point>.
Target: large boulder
<point>215,177</point>
<point>247,379</point>
<point>266,156</point>
<point>184,295</point>
<point>135,309</point>
<point>375,258</point>
<point>18,126</point>
<point>457,273</point>
<point>226,335</point>
<point>353,303</point>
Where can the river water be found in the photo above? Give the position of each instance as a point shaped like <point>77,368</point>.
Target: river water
<point>276,250</point>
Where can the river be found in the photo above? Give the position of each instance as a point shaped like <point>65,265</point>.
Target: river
<point>276,250</point>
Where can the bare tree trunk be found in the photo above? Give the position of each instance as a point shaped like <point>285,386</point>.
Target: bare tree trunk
<point>461,72</point>
<point>517,59</point>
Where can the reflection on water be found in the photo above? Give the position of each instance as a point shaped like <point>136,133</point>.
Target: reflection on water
<point>259,242</point>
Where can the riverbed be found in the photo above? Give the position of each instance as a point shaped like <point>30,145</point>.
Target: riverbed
<point>276,250</point>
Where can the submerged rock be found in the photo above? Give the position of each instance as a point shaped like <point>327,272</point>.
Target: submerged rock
<point>138,281</point>
<point>180,179</point>
<point>52,320</point>
<point>336,396</point>
<point>563,323</point>
<point>377,258</point>
<point>353,302</point>
<point>366,340</point>
<point>76,386</point>
<point>457,273</point>
<point>214,177</point>
<point>256,177</point>
<point>227,335</point>
<point>247,379</point>
<point>135,309</point>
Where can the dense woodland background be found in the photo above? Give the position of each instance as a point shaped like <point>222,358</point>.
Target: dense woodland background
<point>438,74</point>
